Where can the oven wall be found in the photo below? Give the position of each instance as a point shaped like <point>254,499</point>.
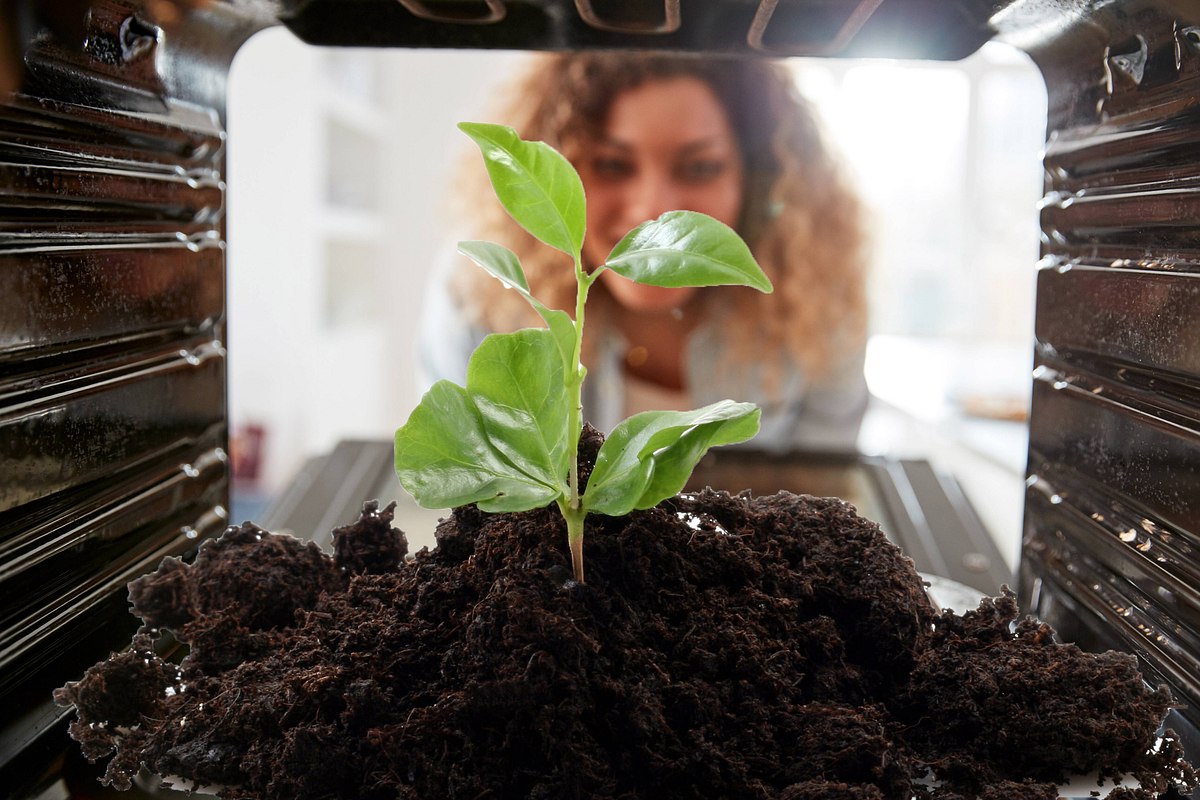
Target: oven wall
<point>1112,521</point>
<point>112,363</point>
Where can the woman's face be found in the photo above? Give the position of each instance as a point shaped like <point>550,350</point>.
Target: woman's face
<point>667,145</point>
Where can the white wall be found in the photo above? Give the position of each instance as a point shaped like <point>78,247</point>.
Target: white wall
<point>948,159</point>
<point>324,291</point>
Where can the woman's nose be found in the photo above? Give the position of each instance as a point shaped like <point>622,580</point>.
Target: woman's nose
<point>653,194</point>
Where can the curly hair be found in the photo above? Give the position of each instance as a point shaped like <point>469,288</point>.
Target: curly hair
<point>800,215</point>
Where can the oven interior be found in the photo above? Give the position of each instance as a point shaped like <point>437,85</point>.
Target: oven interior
<point>114,424</point>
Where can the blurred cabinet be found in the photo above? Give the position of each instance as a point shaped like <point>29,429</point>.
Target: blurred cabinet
<point>341,158</point>
<point>310,276</point>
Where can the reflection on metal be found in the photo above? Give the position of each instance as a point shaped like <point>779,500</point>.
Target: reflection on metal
<point>927,29</point>
<point>112,363</point>
<point>137,38</point>
<point>814,47</point>
<point>1142,315</point>
<point>1129,62</point>
<point>1112,513</point>
<point>474,13</point>
<point>668,23</point>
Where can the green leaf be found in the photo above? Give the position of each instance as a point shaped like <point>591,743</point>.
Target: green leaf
<point>674,462</point>
<point>446,458</point>
<point>536,185</point>
<point>501,442</point>
<point>499,262</point>
<point>686,248</point>
<point>648,457</point>
<point>517,384</point>
<point>503,264</point>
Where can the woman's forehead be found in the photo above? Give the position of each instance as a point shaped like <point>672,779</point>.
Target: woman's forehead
<point>680,109</point>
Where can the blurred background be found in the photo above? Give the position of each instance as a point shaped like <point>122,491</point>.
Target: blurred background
<point>339,162</point>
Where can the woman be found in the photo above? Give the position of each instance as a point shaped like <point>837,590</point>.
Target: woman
<point>654,133</point>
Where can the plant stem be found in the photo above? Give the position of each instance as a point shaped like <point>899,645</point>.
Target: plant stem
<point>572,509</point>
<point>574,518</point>
<point>575,385</point>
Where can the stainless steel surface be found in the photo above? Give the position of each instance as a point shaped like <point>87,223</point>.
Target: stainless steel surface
<point>646,18</point>
<point>483,12</point>
<point>330,490</point>
<point>112,416</point>
<point>937,29</point>
<point>112,359</point>
<point>1112,521</point>
<point>839,28</point>
<point>950,595</point>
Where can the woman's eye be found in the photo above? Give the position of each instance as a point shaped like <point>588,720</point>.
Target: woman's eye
<point>702,170</point>
<point>612,167</point>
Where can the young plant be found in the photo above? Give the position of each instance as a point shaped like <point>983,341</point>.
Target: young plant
<point>509,439</point>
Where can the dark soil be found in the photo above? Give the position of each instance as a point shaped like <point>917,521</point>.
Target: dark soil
<point>723,647</point>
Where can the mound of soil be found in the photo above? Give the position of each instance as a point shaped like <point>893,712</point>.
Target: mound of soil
<point>723,647</point>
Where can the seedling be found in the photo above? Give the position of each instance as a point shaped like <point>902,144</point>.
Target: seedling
<point>509,439</point>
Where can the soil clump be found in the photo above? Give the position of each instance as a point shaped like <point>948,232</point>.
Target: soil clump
<point>724,647</point>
